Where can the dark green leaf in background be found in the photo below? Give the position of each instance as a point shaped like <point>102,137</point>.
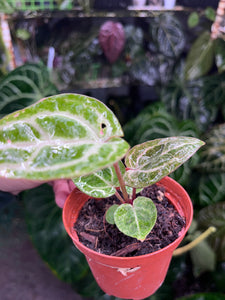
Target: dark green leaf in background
<point>214,215</point>
<point>211,188</point>
<point>24,86</point>
<point>213,91</point>
<point>167,33</point>
<point>200,57</point>
<point>190,101</point>
<point>134,41</point>
<point>220,55</point>
<point>213,154</point>
<point>203,257</point>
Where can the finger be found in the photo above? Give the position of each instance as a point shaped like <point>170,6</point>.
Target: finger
<point>62,188</point>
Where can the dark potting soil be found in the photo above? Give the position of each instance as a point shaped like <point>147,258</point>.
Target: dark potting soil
<point>95,233</point>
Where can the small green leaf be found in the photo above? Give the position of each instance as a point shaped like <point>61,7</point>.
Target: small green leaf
<point>149,162</point>
<point>22,34</point>
<point>136,220</point>
<point>100,184</point>
<point>200,58</point>
<point>63,136</point>
<point>110,214</point>
<point>193,19</point>
<point>210,13</point>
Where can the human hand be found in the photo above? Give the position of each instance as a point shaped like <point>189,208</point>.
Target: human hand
<point>61,187</point>
<point>15,186</point>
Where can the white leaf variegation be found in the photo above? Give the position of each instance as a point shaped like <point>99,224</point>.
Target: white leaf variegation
<point>149,162</point>
<point>100,184</point>
<point>136,220</point>
<point>62,136</point>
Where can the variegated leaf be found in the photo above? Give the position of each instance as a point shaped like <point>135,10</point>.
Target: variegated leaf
<point>136,220</point>
<point>62,136</point>
<point>100,184</point>
<point>24,86</point>
<point>149,162</point>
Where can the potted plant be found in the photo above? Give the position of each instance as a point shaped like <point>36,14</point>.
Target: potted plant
<point>75,136</point>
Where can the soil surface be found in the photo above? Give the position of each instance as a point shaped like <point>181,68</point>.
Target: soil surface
<point>95,233</point>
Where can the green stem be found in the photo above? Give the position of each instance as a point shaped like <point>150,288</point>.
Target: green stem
<point>194,243</point>
<point>121,181</point>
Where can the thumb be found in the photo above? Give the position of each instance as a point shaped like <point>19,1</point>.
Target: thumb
<point>62,188</point>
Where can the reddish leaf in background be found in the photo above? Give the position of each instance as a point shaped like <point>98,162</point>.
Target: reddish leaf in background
<point>112,40</point>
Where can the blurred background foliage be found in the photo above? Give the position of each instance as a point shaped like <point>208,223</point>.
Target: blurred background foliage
<point>172,60</point>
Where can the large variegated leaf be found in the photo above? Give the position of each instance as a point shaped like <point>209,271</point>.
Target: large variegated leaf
<point>154,122</point>
<point>147,163</point>
<point>100,184</point>
<point>62,136</point>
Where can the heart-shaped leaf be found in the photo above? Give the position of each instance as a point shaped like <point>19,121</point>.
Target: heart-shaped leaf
<point>200,58</point>
<point>100,184</point>
<point>136,220</point>
<point>62,136</point>
<point>149,162</point>
<point>112,39</point>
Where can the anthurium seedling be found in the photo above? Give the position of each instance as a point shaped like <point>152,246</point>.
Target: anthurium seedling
<point>78,137</point>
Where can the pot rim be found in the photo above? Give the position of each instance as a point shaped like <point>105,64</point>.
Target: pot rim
<point>172,246</point>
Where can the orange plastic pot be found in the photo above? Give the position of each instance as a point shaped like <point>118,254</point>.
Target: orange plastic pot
<point>130,277</point>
